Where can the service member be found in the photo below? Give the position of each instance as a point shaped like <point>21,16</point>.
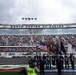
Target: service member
<point>66,62</point>
<point>58,64</point>
<point>72,60</point>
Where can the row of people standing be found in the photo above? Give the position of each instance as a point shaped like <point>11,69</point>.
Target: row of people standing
<point>66,61</point>
<point>57,60</point>
<point>51,60</point>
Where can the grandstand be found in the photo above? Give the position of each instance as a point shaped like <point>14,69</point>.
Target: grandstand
<point>18,38</point>
<point>20,41</point>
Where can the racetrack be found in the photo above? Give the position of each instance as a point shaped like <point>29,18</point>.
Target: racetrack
<point>16,61</point>
<point>20,61</point>
<point>13,61</point>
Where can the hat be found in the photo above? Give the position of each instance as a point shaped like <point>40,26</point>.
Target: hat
<point>31,64</point>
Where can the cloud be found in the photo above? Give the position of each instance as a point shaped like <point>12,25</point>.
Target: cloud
<point>46,11</point>
<point>55,11</point>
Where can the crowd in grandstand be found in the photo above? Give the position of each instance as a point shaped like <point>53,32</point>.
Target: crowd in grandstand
<point>17,49</point>
<point>27,40</point>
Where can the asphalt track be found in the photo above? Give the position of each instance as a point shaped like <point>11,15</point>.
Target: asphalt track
<point>20,61</point>
<point>13,61</point>
<point>16,61</point>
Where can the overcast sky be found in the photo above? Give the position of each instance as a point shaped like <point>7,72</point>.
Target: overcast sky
<point>46,11</point>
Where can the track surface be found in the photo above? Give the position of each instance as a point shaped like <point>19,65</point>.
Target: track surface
<point>18,61</point>
<point>14,61</point>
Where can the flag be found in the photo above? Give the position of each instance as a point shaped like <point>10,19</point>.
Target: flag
<point>50,49</point>
<point>62,48</point>
<point>42,46</point>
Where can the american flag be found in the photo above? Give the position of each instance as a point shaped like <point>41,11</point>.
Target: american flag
<point>42,46</point>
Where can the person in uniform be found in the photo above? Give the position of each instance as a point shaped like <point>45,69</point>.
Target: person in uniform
<point>49,61</point>
<point>53,60</point>
<point>41,64</point>
<point>58,64</point>
<point>66,59</point>
<point>44,58</point>
<point>72,60</point>
<point>61,58</point>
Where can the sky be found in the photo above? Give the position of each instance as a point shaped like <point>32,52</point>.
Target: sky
<point>46,11</point>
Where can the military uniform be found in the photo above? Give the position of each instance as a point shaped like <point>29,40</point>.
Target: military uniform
<point>61,58</point>
<point>72,61</point>
<point>66,62</point>
<point>53,60</point>
<point>41,63</point>
<point>58,64</point>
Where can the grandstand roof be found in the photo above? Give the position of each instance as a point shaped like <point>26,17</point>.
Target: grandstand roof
<point>36,26</point>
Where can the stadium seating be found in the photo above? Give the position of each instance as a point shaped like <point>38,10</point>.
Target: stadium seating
<point>32,40</point>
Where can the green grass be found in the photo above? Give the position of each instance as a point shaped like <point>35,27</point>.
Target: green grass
<point>10,73</point>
